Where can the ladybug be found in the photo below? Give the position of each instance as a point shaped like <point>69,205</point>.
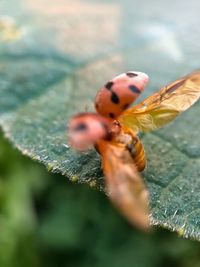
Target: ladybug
<point>119,93</point>
<point>114,129</point>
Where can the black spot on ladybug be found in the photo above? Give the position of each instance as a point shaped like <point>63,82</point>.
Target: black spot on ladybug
<point>109,85</point>
<point>80,127</point>
<point>115,98</point>
<point>125,106</point>
<point>131,74</point>
<point>111,115</point>
<point>134,89</point>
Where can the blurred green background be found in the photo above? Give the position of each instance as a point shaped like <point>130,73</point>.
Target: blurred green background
<point>47,221</point>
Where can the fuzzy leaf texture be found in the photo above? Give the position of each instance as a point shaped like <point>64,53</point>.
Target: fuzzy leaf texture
<point>55,55</point>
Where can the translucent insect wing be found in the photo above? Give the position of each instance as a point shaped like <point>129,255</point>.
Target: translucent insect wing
<point>163,106</point>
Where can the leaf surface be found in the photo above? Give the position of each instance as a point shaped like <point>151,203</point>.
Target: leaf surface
<point>55,55</point>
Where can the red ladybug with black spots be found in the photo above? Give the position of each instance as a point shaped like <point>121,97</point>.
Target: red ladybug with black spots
<point>114,129</point>
<point>119,93</point>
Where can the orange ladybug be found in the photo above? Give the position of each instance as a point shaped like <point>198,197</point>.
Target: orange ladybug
<point>119,93</point>
<point>113,132</point>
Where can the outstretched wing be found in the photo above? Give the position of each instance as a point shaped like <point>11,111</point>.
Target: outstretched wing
<point>123,183</point>
<point>163,106</point>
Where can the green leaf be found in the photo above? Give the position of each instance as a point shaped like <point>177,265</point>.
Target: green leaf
<point>53,59</point>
